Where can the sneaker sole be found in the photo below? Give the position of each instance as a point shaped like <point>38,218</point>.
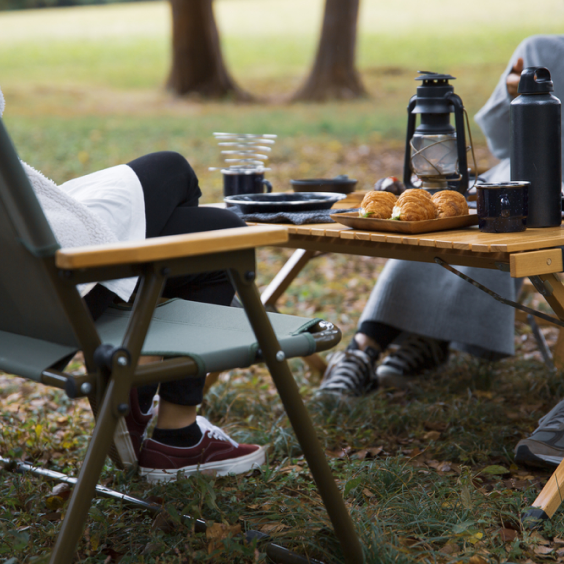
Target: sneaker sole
<point>524,455</point>
<point>221,468</point>
<point>391,379</point>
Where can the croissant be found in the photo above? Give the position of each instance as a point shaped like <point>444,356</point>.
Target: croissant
<point>377,204</point>
<point>414,205</point>
<point>450,203</point>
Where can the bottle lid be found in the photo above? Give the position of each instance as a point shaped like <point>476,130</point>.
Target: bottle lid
<point>535,80</point>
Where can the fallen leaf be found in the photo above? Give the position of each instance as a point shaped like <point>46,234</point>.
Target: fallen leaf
<point>538,538</point>
<point>435,425</point>
<point>449,548</point>
<point>367,493</point>
<point>273,528</point>
<point>432,436</point>
<point>53,516</point>
<point>61,490</point>
<point>508,535</point>
<point>477,537</point>
<point>54,502</point>
<point>542,550</point>
<point>164,522</point>
<point>375,451</point>
<point>444,467</point>
<point>220,531</point>
<point>477,560</point>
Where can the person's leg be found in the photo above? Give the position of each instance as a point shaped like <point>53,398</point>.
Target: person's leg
<point>352,371</point>
<point>208,287</point>
<point>171,192</point>
<point>168,181</point>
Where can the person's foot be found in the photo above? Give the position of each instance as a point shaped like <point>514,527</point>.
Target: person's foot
<point>215,451</point>
<point>350,372</point>
<point>130,431</point>
<point>545,447</point>
<point>415,355</point>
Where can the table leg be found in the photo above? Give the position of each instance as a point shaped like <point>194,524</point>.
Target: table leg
<point>288,273</point>
<point>551,496</point>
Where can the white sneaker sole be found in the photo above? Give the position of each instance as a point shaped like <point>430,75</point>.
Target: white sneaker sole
<point>221,468</point>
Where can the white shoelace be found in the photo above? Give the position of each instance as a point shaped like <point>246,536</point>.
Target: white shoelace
<point>215,432</point>
<point>554,419</point>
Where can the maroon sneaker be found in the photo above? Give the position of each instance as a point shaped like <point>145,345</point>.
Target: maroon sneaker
<point>216,451</point>
<point>131,430</point>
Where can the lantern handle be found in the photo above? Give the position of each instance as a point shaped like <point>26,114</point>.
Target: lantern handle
<point>407,172</point>
<point>456,101</point>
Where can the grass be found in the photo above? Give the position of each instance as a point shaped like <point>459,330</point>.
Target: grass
<point>427,473</point>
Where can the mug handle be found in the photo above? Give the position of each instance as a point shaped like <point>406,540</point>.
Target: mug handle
<point>268,186</point>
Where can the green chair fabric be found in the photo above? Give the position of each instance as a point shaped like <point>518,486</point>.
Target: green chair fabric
<point>216,337</point>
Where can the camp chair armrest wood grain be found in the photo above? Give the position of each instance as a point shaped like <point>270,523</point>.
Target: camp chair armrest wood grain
<point>174,246</point>
<point>44,321</point>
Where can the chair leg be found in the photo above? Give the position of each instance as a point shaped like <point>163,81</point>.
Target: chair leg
<point>83,492</point>
<point>300,420</point>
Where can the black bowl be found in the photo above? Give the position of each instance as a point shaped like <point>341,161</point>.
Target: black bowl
<point>340,184</point>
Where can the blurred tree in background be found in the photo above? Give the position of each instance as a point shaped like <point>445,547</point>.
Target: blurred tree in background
<point>197,62</point>
<point>334,75</point>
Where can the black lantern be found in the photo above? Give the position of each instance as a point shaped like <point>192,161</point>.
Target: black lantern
<point>435,151</point>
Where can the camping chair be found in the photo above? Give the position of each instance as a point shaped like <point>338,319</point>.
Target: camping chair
<point>44,322</point>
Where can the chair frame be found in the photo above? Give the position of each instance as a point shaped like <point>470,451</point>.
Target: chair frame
<point>113,371</point>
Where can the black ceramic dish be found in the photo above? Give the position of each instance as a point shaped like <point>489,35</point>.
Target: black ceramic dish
<point>502,207</point>
<point>341,184</point>
<point>273,203</point>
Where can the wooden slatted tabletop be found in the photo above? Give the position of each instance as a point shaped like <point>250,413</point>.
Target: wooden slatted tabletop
<point>466,239</point>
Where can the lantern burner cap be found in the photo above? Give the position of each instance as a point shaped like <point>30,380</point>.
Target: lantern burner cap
<point>428,76</point>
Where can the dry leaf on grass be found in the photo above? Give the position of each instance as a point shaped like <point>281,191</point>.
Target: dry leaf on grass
<point>477,560</point>
<point>273,528</point>
<point>542,550</point>
<point>220,531</point>
<point>508,535</point>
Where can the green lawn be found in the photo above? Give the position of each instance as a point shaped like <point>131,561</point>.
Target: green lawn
<point>84,86</point>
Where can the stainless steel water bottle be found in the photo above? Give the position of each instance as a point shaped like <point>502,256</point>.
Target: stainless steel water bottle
<point>536,153</point>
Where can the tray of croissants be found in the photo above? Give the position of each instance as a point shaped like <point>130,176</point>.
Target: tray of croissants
<point>413,211</point>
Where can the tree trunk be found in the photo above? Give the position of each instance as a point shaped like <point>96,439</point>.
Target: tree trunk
<point>197,62</point>
<point>334,74</point>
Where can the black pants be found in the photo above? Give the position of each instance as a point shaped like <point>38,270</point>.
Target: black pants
<point>171,192</point>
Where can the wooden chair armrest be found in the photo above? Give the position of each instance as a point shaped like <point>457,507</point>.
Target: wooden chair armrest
<point>174,246</point>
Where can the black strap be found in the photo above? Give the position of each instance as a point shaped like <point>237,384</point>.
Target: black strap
<point>497,297</point>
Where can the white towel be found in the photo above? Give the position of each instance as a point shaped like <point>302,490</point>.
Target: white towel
<point>75,225</point>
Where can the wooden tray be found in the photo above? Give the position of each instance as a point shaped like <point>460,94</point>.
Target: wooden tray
<point>351,219</point>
